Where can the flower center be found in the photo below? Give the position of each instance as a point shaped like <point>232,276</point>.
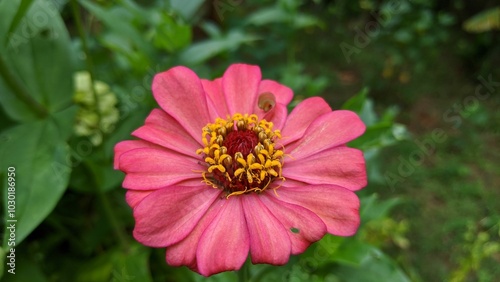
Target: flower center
<point>240,154</point>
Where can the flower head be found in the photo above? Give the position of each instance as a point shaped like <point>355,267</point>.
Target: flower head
<point>222,171</point>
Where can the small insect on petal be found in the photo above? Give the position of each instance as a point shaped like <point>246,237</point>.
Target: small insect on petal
<point>267,101</point>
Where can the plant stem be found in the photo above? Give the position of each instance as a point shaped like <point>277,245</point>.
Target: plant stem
<point>20,91</point>
<point>108,212</point>
<point>244,272</point>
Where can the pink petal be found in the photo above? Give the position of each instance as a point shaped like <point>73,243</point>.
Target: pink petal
<point>225,243</point>
<point>184,252</point>
<point>328,131</point>
<point>336,206</point>
<point>133,197</point>
<point>151,168</point>
<point>213,89</point>
<point>240,84</point>
<point>282,93</point>
<point>301,117</point>
<point>125,146</point>
<point>342,166</point>
<point>277,116</point>
<point>307,225</point>
<point>167,216</point>
<point>163,130</point>
<point>179,92</point>
<point>269,241</point>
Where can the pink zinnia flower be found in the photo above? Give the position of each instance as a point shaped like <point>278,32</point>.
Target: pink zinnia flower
<point>222,170</point>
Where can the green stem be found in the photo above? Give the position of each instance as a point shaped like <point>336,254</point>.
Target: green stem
<point>20,91</point>
<point>244,272</point>
<point>108,212</point>
<point>88,59</point>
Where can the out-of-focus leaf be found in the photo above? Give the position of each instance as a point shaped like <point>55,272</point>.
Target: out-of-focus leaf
<point>21,11</point>
<point>374,266</point>
<point>186,9</point>
<point>352,252</point>
<point>304,21</point>
<point>106,177</point>
<point>372,208</point>
<point>205,50</point>
<point>40,159</point>
<point>169,34</point>
<point>268,15</point>
<point>356,102</point>
<point>119,21</point>
<point>484,21</point>
<point>279,15</point>
<point>38,53</point>
<point>26,270</point>
<point>118,266</point>
<point>211,29</point>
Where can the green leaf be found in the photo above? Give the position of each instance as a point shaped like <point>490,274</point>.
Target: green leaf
<point>352,252</point>
<point>373,266</point>
<point>23,8</point>
<point>205,50</point>
<point>484,21</point>
<point>40,159</point>
<point>373,208</point>
<point>356,102</point>
<point>268,15</point>
<point>38,55</point>
<point>169,34</point>
<point>117,265</point>
<point>119,21</point>
<point>186,9</point>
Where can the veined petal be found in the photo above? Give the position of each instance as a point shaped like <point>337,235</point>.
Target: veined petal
<point>184,252</point>
<point>277,116</point>
<point>327,131</point>
<point>163,130</point>
<point>128,145</point>
<point>301,117</point>
<point>151,168</point>
<point>269,241</point>
<point>179,93</point>
<point>133,197</point>
<point>225,243</point>
<point>282,93</point>
<point>167,216</point>
<point>302,225</point>
<point>338,207</point>
<point>342,166</point>
<point>240,84</point>
<point>213,89</point>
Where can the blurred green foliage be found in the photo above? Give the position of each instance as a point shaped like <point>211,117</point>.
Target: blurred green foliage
<point>73,223</point>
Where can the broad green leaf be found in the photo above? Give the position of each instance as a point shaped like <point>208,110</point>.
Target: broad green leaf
<point>205,50</point>
<point>37,54</point>
<point>23,8</point>
<point>484,21</point>
<point>374,266</point>
<point>42,168</point>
